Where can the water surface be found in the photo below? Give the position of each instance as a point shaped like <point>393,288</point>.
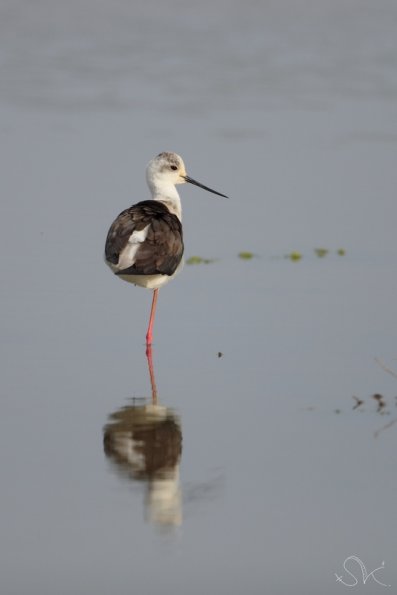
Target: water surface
<point>256,470</point>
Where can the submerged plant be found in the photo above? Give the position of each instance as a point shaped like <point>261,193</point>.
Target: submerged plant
<point>246,255</point>
<point>321,252</point>
<point>294,255</point>
<point>199,260</point>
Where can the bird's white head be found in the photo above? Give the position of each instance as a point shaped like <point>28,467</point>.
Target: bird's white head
<point>165,171</point>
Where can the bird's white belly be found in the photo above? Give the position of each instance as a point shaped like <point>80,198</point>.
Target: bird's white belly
<point>148,281</point>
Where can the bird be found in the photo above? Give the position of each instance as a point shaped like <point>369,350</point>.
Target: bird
<point>144,245</point>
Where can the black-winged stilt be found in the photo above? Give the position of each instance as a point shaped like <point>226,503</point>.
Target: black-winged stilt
<point>144,245</point>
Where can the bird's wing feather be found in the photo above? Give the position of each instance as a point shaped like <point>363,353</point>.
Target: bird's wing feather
<point>158,251</point>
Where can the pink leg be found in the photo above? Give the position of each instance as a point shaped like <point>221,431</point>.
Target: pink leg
<point>151,374</point>
<point>149,334</point>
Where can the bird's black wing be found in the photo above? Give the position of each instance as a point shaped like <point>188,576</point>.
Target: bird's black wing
<point>160,252</point>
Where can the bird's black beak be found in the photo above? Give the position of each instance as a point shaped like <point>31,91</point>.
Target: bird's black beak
<point>191,181</point>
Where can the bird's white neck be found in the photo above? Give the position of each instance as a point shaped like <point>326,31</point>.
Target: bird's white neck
<point>167,194</point>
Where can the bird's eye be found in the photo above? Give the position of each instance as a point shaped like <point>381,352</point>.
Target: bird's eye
<point>174,167</point>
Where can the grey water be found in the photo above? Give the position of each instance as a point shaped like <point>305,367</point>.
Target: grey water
<point>266,461</point>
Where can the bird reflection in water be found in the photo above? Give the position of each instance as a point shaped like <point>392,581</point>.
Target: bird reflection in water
<point>144,442</point>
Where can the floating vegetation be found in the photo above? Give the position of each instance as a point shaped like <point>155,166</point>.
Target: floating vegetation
<point>294,255</point>
<point>199,260</point>
<point>321,252</point>
<point>246,255</point>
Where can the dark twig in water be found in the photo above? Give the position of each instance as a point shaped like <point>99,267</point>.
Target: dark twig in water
<point>385,368</point>
<point>385,427</point>
<point>359,402</point>
<point>380,400</point>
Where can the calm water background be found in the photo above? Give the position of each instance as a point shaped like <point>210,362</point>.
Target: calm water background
<point>290,108</point>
